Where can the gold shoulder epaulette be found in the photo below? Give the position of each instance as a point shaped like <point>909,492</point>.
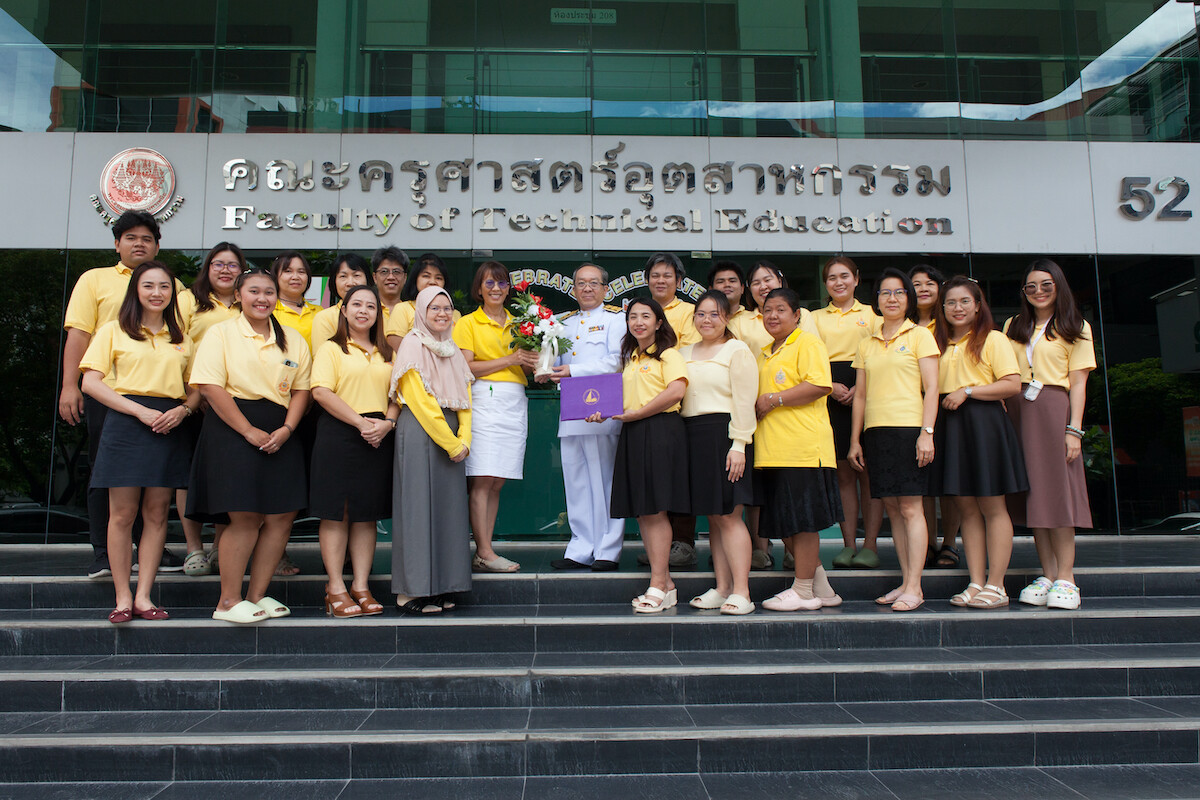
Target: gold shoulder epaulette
<point>566,315</point>
<point>614,309</point>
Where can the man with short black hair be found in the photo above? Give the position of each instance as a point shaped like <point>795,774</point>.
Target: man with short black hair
<point>390,265</point>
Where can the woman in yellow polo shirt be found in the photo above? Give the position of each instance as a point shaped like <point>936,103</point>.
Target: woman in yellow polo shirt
<point>650,473</point>
<point>895,407</point>
<point>793,451</point>
<point>499,408</point>
<point>350,477</point>
<point>431,554</point>
<point>763,279</point>
<point>349,269</point>
<point>145,449</point>
<point>429,271</point>
<point>928,283</point>
<point>210,299</point>
<point>1054,348</point>
<point>255,378</point>
<point>294,311</point>
<point>979,457</point>
<point>842,325</point>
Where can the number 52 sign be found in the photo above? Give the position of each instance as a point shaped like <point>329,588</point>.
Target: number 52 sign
<point>1141,202</point>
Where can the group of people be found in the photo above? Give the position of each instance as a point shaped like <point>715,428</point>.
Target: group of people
<point>746,408</point>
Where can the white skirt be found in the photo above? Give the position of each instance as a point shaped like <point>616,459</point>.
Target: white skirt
<point>499,426</point>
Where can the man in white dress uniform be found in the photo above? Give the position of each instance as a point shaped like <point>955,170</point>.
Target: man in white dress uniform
<point>588,448</point>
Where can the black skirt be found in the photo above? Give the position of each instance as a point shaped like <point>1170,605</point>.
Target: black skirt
<point>708,446</point>
<point>131,455</point>
<point>890,454</point>
<point>348,477</point>
<point>977,452</point>
<point>839,415</point>
<point>798,500</point>
<point>231,475</point>
<point>651,469</point>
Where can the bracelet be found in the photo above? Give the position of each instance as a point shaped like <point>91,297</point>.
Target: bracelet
<point>1078,434</point>
<point>393,421</point>
<point>779,397</point>
<point>187,411</point>
<point>289,427</point>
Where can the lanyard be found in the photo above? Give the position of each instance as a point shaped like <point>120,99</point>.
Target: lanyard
<point>1033,340</point>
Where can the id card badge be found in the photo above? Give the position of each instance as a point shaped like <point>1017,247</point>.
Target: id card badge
<point>1033,390</point>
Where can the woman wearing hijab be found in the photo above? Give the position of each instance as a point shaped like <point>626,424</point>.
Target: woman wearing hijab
<point>431,553</point>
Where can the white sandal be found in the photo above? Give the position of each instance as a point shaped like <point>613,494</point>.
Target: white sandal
<point>963,598</point>
<point>656,600</point>
<point>708,601</point>
<point>737,605</point>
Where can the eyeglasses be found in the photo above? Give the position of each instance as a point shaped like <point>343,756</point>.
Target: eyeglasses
<point>589,284</point>
<point>385,272</point>
<point>494,284</point>
<point>893,292</point>
<point>225,266</point>
<point>966,302</point>
<point>1033,288</point>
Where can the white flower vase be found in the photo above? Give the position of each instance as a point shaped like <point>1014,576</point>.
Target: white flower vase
<point>546,357</point>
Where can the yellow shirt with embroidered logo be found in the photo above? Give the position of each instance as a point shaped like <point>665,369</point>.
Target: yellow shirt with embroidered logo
<point>679,314</point>
<point>300,321</point>
<point>841,331</point>
<point>153,367</point>
<point>250,367</point>
<point>488,341</point>
<point>1054,359</point>
<point>747,325</point>
<point>400,321</point>
<point>359,378</point>
<point>324,326</point>
<point>795,436</point>
<point>97,297</point>
<point>895,393</point>
<point>957,369</point>
<point>645,377</point>
<point>196,322</point>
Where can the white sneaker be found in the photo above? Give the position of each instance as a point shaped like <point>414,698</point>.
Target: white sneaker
<point>1035,594</point>
<point>1063,594</point>
<point>682,555</point>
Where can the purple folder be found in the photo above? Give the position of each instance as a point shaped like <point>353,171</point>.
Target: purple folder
<point>583,396</point>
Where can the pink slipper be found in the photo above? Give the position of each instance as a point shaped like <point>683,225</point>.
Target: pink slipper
<point>789,600</point>
<point>888,598</point>
<point>908,602</point>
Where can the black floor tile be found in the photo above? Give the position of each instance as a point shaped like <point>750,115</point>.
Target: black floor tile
<point>1028,654</point>
<point>325,662</point>
<point>748,658</point>
<point>795,753</point>
<point>1147,628</point>
<point>932,751</point>
<point>1130,782</point>
<point>250,761</point>
<point>468,660</point>
<point>764,715</point>
<point>435,789</point>
<point>140,695</point>
<point>782,687</point>
<point>433,638</point>
<point>638,634</point>
<point>72,791</point>
<point>610,757</point>
<point>1117,747</point>
<point>826,785</point>
<point>1089,708</point>
<point>887,655</point>
<point>786,632</point>
<point>629,787</point>
<point>154,638</point>
<point>631,717</point>
<point>912,631</point>
<point>447,719</point>
<point>903,686</point>
<point>496,757</point>
<point>1017,628</point>
<point>1070,681</point>
<point>340,639</point>
<point>926,712</point>
<point>101,762</point>
<point>287,693</point>
<point>615,659</point>
<point>1188,706</point>
<point>14,721</point>
<point>281,721</point>
<point>25,695</point>
<point>1163,680</point>
<point>259,790</point>
<point>997,783</point>
<point>152,664</point>
<point>451,691</point>
<point>116,722</point>
<point>595,690</point>
<point>45,663</point>
<point>33,641</point>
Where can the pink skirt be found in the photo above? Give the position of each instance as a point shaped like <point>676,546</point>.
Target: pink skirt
<point>1057,496</point>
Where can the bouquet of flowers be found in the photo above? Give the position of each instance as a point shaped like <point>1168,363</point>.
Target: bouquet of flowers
<point>536,329</point>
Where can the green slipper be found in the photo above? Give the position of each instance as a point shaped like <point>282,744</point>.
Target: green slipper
<point>865,559</point>
<point>844,559</point>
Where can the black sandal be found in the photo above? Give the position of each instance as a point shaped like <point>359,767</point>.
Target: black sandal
<point>947,558</point>
<point>419,606</point>
<point>445,601</point>
<point>930,557</point>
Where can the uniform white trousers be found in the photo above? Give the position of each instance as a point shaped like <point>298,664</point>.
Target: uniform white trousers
<point>587,463</point>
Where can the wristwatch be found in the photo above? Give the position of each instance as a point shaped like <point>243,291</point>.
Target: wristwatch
<point>968,390</point>
<point>928,430</point>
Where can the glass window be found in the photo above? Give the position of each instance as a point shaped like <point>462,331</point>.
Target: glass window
<point>40,61</point>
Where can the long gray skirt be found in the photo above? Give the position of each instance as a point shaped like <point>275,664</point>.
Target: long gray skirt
<point>431,540</point>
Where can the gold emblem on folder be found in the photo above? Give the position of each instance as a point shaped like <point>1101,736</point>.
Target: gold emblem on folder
<point>590,397</point>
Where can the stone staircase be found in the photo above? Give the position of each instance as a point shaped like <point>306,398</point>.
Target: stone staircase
<point>547,685</point>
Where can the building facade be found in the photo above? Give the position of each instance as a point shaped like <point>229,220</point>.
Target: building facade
<point>973,135</point>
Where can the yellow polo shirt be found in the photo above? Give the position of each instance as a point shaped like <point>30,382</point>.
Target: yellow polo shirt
<point>679,314</point>
<point>196,322</point>
<point>324,326</point>
<point>400,321</point>
<point>957,369</point>
<point>795,436</point>
<point>153,367</point>
<point>841,331</point>
<point>299,321</point>
<point>1054,359</point>
<point>645,377</point>
<point>250,367</point>
<point>747,325</point>
<point>97,297</point>
<point>488,341</point>
<point>358,377</point>
<point>894,392</point>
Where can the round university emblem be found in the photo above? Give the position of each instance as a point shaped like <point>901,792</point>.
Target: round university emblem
<point>137,179</point>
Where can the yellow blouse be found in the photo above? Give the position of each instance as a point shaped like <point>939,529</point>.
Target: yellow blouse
<point>358,377</point>
<point>412,394</point>
<point>725,383</point>
<point>488,341</point>
<point>153,367</point>
<point>645,377</point>
<point>841,331</point>
<point>795,436</point>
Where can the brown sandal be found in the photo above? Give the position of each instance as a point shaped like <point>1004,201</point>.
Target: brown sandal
<point>369,605</point>
<point>340,605</point>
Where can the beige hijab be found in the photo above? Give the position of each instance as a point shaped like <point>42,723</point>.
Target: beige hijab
<point>435,357</point>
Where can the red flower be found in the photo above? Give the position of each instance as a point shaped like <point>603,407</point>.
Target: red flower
<point>527,329</point>
<point>523,286</point>
<point>544,312</point>
<point>535,298</point>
